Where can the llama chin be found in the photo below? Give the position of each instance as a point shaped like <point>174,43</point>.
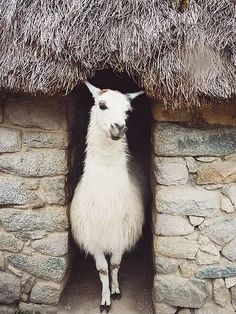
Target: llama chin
<point>107,210</point>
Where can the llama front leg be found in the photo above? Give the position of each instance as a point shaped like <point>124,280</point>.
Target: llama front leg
<point>102,268</point>
<point>115,266</point>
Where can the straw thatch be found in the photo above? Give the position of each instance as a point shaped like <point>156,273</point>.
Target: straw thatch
<point>179,50</point>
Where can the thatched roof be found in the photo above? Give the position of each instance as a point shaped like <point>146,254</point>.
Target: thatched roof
<point>180,50</point>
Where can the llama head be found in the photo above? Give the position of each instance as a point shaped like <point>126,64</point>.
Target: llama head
<point>111,109</point>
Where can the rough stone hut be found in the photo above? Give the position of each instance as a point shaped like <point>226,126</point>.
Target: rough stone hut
<point>183,55</point>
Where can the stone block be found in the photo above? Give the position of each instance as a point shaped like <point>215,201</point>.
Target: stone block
<point>10,243</point>
<point>53,190</point>
<point>177,247</point>
<point>35,163</point>
<point>12,190</point>
<point>222,171</point>
<point>55,244</point>
<point>8,309</point>
<point>178,291</point>
<point>166,265</point>
<point>30,235</point>
<point>230,192</point>
<point>10,140</point>
<point>230,282</point>
<point>213,308</point>
<point>187,200</point>
<point>184,311</point>
<point>226,204</point>
<point>191,164</point>
<point>207,254</point>
<point>233,295</point>
<point>220,114</point>
<point>188,268</point>
<point>167,115</point>
<point>31,308</point>
<point>220,230</point>
<point>175,140</point>
<point>2,261</point>
<point>9,288</point>
<point>217,272</point>
<point>161,308</point>
<point>44,139</point>
<point>172,225</point>
<point>220,292</point>
<point>41,266</point>
<point>49,219</point>
<point>46,293</point>
<point>196,221</point>
<point>27,282</point>
<point>42,112</point>
<point>170,171</point>
<point>229,250</point>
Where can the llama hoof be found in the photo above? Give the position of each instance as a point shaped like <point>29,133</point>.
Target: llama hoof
<point>116,296</point>
<point>105,307</point>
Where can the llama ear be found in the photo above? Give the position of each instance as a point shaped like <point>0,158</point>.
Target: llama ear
<point>131,96</point>
<point>93,90</point>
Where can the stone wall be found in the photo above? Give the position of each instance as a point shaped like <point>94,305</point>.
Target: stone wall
<point>34,137</point>
<point>194,218</point>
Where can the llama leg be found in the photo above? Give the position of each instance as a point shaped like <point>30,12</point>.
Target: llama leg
<point>115,265</point>
<point>102,268</point>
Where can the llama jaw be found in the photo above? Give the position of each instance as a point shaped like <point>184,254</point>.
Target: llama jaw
<point>115,138</point>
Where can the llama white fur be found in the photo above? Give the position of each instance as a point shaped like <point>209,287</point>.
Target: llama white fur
<point>107,210</point>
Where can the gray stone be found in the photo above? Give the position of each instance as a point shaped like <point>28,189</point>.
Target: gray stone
<point>217,271</point>
<point>2,261</point>
<point>178,291</point>
<point>31,308</point>
<point>15,271</point>
<point>38,163</point>
<point>220,292</point>
<point>184,311</point>
<point>196,221</point>
<point>187,200</point>
<point>34,200</point>
<point>54,190</point>
<point>30,235</point>
<point>208,254</point>
<point>161,308</point>
<point>170,171</point>
<point>226,204</point>
<point>188,268</point>
<point>12,190</point>
<point>230,192</point>
<point>44,139</point>
<point>41,112</point>
<point>9,288</point>
<point>172,225</point>
<point>27,282</point>
<point>45,292</point>
<point>49,219</point>
<point>41,266</point>
<point>175,140</point>
<point>177,247</point>
<point>10,140</point>
<point>191,164</point>
<point>55,244</point>
<point>166,265</point>
<point>9,242</point>
<point>230,282</point>
<point>8,309</point>
<point>229,250</point>
<point>220,230</point>
<point>221,171</point>
<point>233,295</point>
<point>212,308</point>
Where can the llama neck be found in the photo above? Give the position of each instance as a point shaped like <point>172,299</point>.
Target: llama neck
<point>102,150</point>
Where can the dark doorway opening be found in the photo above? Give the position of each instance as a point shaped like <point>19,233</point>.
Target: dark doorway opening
<point>82,293</point>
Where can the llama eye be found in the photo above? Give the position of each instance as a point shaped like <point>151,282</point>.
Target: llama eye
<point>102,106</point>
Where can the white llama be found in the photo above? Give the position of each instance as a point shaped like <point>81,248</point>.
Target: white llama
<point>107,210</point>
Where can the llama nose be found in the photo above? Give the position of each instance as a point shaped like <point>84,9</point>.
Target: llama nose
<point>117,130</point>
<point>121,128</point>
